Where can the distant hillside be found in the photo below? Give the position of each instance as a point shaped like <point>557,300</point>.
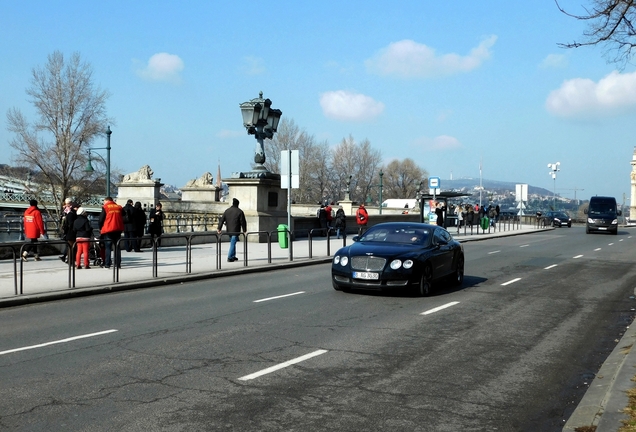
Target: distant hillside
<point>471,183</point>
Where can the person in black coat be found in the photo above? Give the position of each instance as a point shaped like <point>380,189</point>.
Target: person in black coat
<point>139,221</point>
<point>68,217</point>
<point>155,229</point>
<point>129,225</point>
<point>341,222</point>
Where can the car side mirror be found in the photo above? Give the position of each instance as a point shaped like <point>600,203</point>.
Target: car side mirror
<point>618,212</point>
<point>355,238</point>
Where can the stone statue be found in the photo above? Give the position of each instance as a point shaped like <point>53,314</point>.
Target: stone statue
<point>204,181</point>
<point>143,175</point>
<point>633,175</point>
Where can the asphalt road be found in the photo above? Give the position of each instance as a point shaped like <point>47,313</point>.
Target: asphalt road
<point>512,350</point>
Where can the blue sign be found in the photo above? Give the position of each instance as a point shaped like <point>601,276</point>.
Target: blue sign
<point>433,183</point>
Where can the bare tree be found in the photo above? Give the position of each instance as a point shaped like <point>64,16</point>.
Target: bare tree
<point>610,23</point>
<point>401,178</point>
<point>71,114</point>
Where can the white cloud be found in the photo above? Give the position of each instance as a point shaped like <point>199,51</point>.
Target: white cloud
<point>554,61</point>
<point>408,59</point>
<point>439,143</point>
<point>614,94</point>
<point>162,67</point>
<point>348,106</point>
<point>253,65</point>
<point>227,133</point>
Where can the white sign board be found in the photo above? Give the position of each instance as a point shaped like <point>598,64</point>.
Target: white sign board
<point>521,192</point>
<point>285,168</point>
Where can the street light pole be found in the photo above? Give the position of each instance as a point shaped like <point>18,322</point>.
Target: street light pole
<point>381,175</point>
<point>89,166</point>
<point>554,169</point>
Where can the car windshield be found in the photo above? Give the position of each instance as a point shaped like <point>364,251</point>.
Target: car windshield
<point>602,206</point>
<point>561,215</point>
<point>397,235</point>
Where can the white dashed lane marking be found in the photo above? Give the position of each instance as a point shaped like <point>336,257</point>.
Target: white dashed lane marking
<point>279,297</point>
<point>526,245</point>
<point>550,266</point>
<point>493,252</point>
<point>57,342</point>
<point>510,282</point>
<point>597,249</point>
<point>282,365</point>
<point>439,308</point>
<point>578,256</point>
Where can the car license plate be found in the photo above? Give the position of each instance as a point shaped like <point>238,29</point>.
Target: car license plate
<point>602,228</point>
<point>366,275</point>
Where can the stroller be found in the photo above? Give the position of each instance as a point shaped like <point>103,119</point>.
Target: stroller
<point>96,251</point>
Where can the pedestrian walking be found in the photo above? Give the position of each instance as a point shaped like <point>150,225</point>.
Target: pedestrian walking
<point>460,217</point>
<point>362,219</point>
<point>82,232</point>
<point>234,220</point>
<point>139,220</point>
<point>439,212</point>
<point>155,227</point>
<point>322,218</point>
<point>341,222</point>
<point>34,228</point>
<point>111,225</point>
<point>129,225</point>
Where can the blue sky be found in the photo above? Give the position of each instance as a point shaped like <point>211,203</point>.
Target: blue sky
<point>445,83</point>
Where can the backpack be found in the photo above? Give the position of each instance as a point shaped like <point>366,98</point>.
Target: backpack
<point>127,216</point>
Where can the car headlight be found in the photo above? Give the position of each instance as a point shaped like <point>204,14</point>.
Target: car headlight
<point>408,264</point>
<point>615,222</point>
<point>336,259</point>
<point>396,264</point>
<point>344,261</point>
<point>590,220</point>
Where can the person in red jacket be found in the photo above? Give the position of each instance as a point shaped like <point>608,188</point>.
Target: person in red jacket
<point>111,225</point>
<point>33,229</point>
<point>362,218</point>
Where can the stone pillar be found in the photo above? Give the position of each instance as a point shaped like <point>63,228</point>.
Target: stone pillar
<point>147,192</point>
<point>632,203</point>
<point>263,202</point>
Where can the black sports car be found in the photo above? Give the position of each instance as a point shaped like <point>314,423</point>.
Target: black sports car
<point>399,254</point>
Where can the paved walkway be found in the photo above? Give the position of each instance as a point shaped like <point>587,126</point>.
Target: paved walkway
<point>49,280</point>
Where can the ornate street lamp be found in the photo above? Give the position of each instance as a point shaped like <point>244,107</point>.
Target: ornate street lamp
<point>260,120</point>
<point>89,166</point>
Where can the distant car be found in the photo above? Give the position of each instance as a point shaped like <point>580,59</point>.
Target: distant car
<point>396,255</point>
<point>558,219</point>
<point>602,215</point>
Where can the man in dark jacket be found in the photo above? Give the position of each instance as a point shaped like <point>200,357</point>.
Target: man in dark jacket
<point>68,218</point>
<point>129,225</point>
<point>139,220</point>
<point>234,219</point>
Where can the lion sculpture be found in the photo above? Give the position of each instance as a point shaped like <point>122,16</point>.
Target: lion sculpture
<point>205,180</point>
<point>143,175</point>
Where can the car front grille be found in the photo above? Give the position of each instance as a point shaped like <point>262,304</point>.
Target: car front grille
<point>369,263</point>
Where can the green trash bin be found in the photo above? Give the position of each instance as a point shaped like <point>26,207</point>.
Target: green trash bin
<point>484,222</point>
<point>282,236</point>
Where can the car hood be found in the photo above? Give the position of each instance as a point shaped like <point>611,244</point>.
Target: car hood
<point>379,249</point>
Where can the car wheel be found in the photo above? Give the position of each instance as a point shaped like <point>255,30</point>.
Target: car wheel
<point>335,285</point>
<point>426,281</point>
<point>458,275</point>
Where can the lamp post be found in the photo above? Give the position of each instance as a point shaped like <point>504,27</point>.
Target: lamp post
<point>381,175</point>
<point>261,121</point>
<point>554,169</point>
<point>420,200</point>
<point>89,166</point>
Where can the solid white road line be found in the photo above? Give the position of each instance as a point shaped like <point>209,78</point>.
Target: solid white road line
<point>280,296</point>
<point>578,256</point>
<point>439,308</point>
<point>282,365</point>
<point>550,266</point>
<point>493,252</point>
<point>510,282</point>
<point>57,342</point>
